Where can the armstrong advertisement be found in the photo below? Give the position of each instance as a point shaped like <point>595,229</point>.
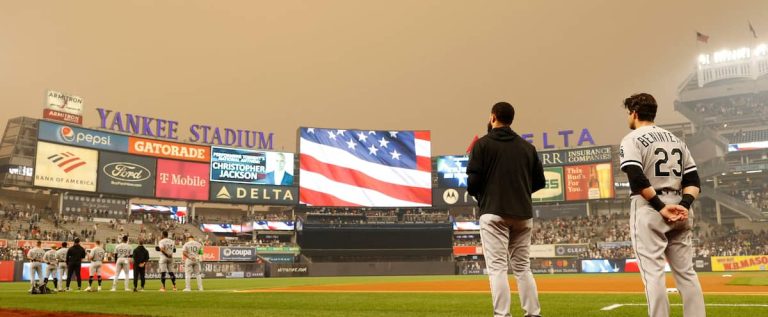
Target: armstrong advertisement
<point>63,107</point>
<point>182,180</point>
<point>127,174</point>
<point>64,134</point>
<point>65,167</point>
<point>251,167</point>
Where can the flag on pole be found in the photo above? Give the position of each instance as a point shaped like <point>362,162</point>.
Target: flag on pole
<point>365,168</point>
<point>472,144</point>
<point>701,37</point>
<point>752,29</point>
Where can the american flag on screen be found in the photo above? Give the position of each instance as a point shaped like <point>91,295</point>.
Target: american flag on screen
<point>365,168</point>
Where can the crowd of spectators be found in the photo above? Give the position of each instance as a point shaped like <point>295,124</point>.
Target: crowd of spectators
<point>347,216</point>
<point>741,106</point>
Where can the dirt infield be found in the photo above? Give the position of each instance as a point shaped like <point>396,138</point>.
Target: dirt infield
<point>37,313</point>
<point>575,284</point>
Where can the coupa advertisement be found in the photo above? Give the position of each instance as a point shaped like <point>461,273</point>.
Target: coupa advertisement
<point>65,167</point>
<point>127,174</point>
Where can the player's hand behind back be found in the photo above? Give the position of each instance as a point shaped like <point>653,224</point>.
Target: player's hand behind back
<point>673,213</point>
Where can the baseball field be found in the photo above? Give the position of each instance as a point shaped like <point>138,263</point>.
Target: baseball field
<point>726,294</point>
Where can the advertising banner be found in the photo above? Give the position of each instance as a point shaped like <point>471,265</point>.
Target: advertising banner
<point>580,156</point>
<point>555,266</point>
<point>542,251</point>
<point>6,271</point>
<point>65,167</point>
<point>444,197</point>
<point>288,270</point>
<point>633,266</point>
<point>170,150</point>
<point>702,264</point>
<point>452,171</point>
<point>62,107</point>
<point>571,250</point>
<point>251,167</point>
<point>467,250</point>
<point>470,268</point>
<point>127,174</point>
<point>242,254</point>
<point>182,180</point>
<point>466,226</point>
<point>211,254</point>
<point>69,135</point>
<point>253,194</point>
<point>589,182</point>
<point>273,225</point>
<point>740,263</point>
<point>603,266</point>
<point>278,258</point>
<point>553,188</point>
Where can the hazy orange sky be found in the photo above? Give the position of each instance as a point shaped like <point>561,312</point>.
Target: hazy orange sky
<point>434,65</point>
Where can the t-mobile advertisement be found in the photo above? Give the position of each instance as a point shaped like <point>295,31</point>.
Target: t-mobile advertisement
<point>182,180</point>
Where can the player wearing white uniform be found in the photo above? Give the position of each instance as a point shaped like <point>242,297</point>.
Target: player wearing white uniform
<point>166,247</point>
<point>123,256</point>
<point>61,257</point>
<point>97,258</point>
<point>192,255</point>
<point>50,269</point>
<point>35,256</point>
<point>660,168</point>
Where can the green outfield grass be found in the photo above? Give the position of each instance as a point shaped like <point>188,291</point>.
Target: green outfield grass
<point>220,299</point>
<point>750,280</point>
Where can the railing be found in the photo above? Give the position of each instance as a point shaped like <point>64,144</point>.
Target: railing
<point>731,202</point>
<point>753,68</point>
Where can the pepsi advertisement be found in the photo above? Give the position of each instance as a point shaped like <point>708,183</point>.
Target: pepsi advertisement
<point>64,134</point>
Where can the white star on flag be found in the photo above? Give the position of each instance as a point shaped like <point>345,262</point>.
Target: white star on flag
<point>310,130</point>
<point>351,144</point>
<point>393,134</point>
<point>340,132</point>
<point>372,132</point>
<point>331,135</point>
<point>383,143</point>
<point>395,155</point>
<point>372,150</point>
<point>362,137</point>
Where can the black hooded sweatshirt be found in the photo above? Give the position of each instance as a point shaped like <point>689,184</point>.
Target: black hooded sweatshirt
<point>504,170</point>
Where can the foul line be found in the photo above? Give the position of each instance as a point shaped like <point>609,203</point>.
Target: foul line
<point>614,306</point>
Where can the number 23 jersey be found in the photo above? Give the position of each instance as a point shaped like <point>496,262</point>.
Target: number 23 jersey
<point>662,156</point>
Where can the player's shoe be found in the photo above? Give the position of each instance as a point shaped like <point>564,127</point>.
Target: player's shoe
<point>113,289</point>
<point>200,290</point>
<point>88,289</point>
<point>162,289</point>
<point>174,288</point>
<point>187,290</point>
<point>98,289</point>
<point>127,289</point>
<point>135,290</point>
<point>141,289</point>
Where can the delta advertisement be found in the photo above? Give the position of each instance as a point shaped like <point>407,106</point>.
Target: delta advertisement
<point>253,194</point>
<point>65,167</point>
<point>740,263</point>
<point>182,180</point>
<point>127,174</point>
<point>63,107</point>
<point>251,167</point>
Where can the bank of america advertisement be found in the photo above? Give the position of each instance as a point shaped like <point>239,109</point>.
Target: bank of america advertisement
<point>251,167</point>
<point>65,167</point>
<point>127,174</point>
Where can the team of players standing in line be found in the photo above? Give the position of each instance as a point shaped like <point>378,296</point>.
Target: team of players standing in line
<point>61,260</point>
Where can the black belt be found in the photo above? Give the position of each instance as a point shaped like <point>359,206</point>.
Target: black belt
<point>668,190</point>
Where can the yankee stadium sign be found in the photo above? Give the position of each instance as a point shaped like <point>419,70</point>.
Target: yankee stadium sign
<point>168,129</point>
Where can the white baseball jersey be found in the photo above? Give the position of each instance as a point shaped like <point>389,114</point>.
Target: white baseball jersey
<point>123,250</point>
<point>166,246</point>
<point>192,249</point>
<point>97,254</point>
<point>50,257</point>
<point>36,254</point>
<point>662,156</point>
<point>61,254</point>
